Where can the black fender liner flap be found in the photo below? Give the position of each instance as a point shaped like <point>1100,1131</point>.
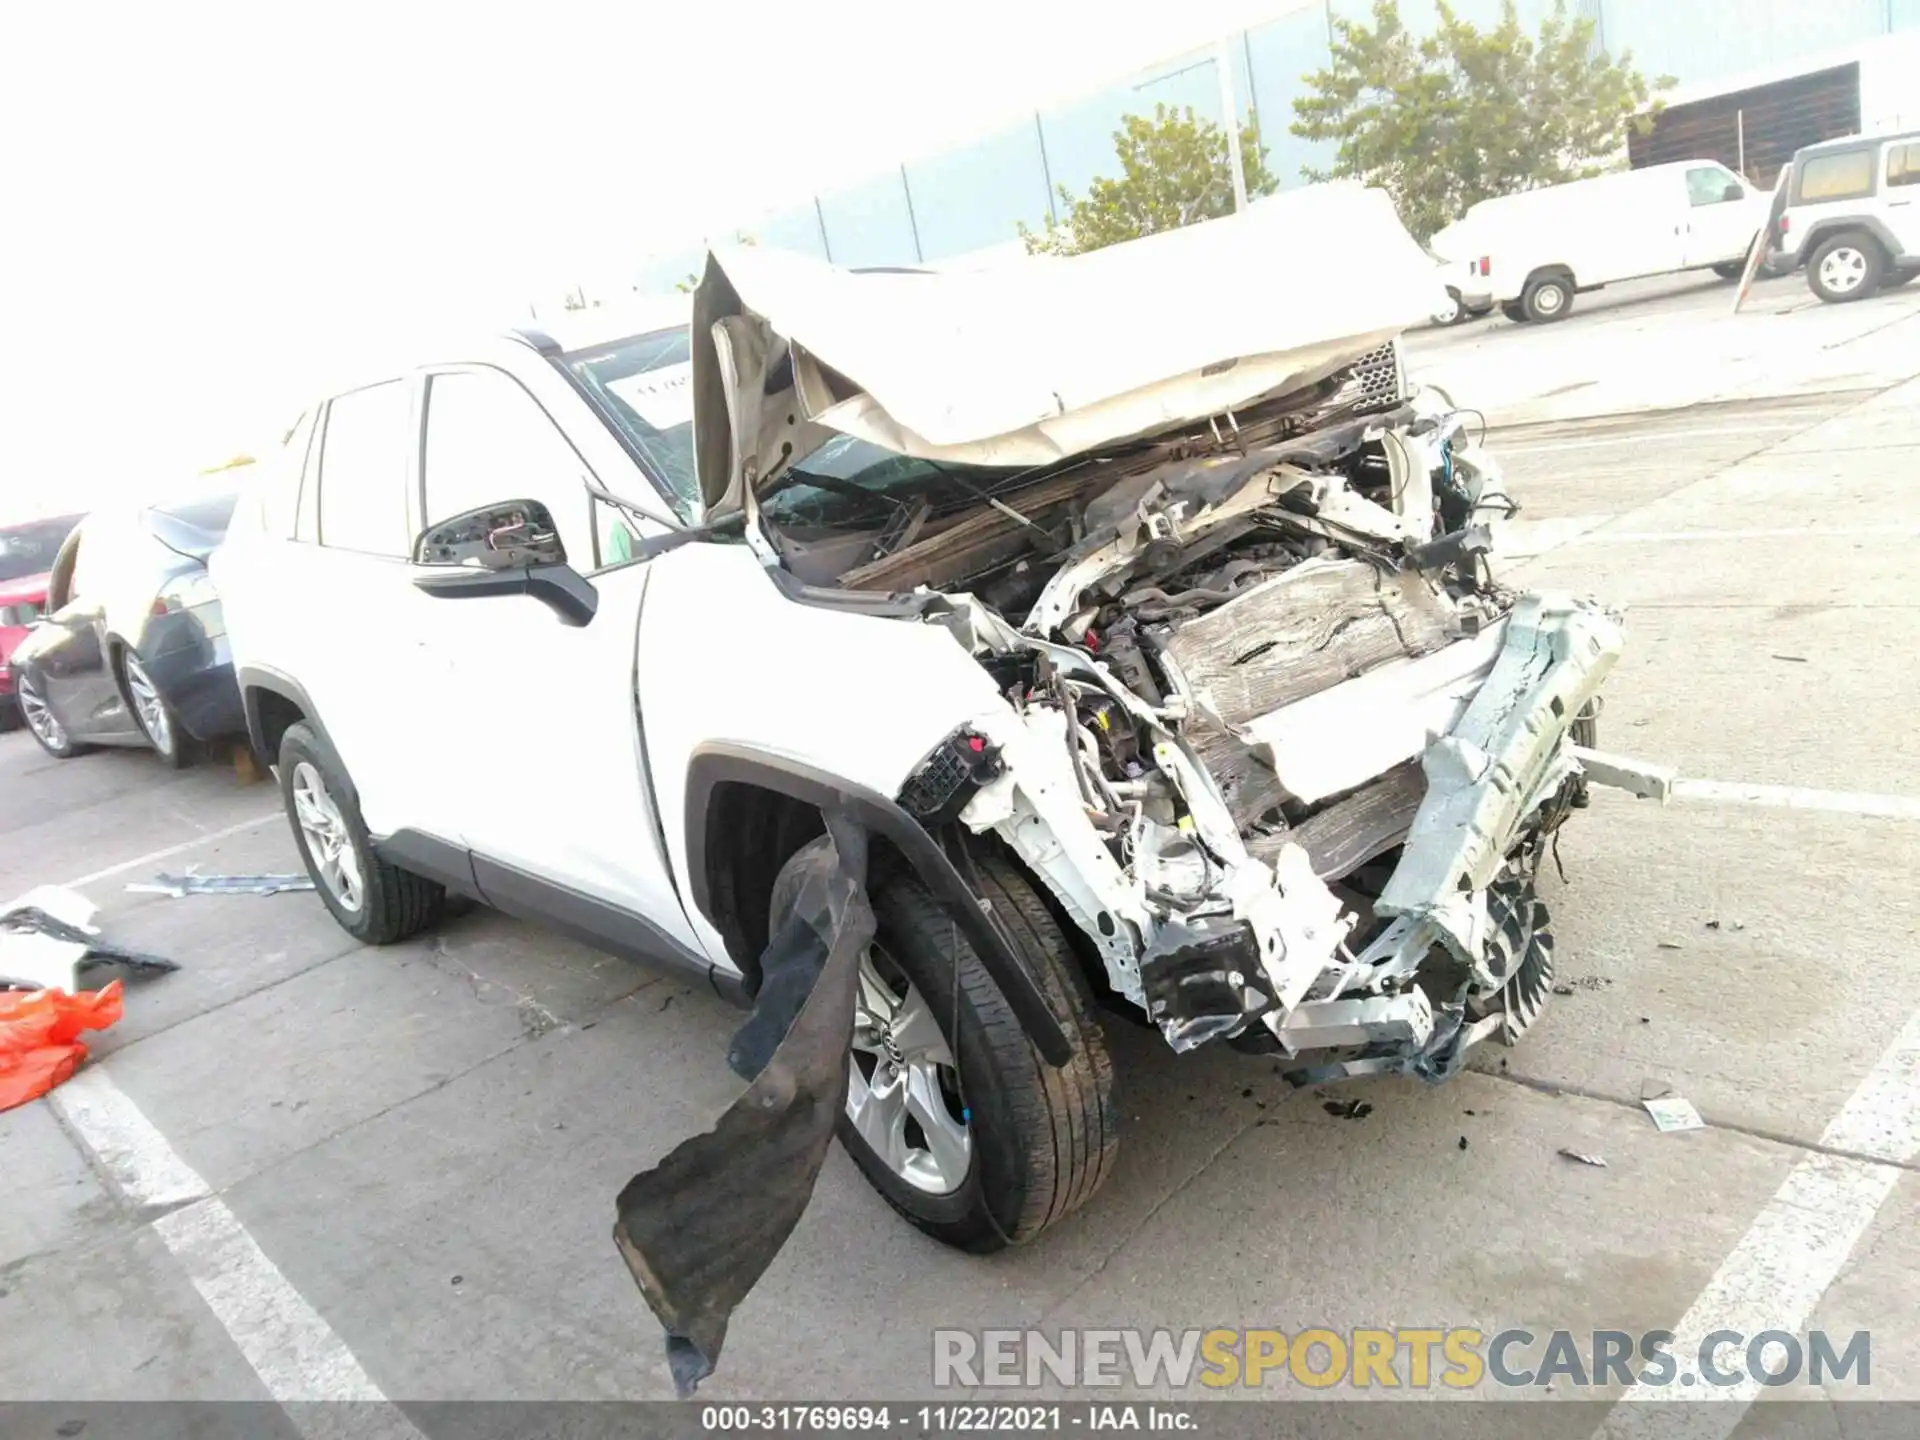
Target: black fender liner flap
<point>700,1228</point>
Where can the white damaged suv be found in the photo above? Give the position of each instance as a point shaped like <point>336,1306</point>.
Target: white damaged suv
<point>1129,602</point>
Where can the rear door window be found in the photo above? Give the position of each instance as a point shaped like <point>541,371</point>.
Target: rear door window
<point>1903,164</point>
<point>1845,176</point>
<point>363,471</point>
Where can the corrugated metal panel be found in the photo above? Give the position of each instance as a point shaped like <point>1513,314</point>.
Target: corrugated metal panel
<point>1769,122</point>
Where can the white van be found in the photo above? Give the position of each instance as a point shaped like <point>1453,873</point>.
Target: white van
<point>1538,248</point>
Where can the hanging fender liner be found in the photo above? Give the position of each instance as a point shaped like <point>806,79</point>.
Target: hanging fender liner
<point>718,763</point>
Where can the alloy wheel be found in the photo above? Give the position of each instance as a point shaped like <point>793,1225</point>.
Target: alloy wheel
<point>148,705</point>
<point>903,1092</point>
<point>40,720</point>
<point>1843,270</point>
<point>324,828</point>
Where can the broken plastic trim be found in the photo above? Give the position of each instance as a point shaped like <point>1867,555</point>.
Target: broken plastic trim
<point>700,1228</point>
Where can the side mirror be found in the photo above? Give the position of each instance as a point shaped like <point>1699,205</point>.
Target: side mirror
<point>512,548</point>
<point>1731,193</point>
<point>497,537</point>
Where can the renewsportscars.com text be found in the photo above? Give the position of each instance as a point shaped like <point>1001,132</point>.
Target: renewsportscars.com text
<point>1409,1358</point>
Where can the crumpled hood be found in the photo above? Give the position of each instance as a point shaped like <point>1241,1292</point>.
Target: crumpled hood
<point>1047,357</point>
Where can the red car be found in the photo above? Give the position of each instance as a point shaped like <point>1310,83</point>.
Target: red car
<point>26,555</point>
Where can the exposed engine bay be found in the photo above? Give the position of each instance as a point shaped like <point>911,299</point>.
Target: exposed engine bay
<point>1277,740</point>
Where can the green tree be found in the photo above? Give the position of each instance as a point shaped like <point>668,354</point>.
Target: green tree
<point>1173,171</point>
<point>1466,114</point>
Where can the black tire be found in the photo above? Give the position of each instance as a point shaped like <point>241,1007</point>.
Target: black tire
<point>1730,269</point>
<point>10,715</point>
<point>176,751</point>
<point>1512,310</point>
<point>395,904</point>
<point>1547,298</point>
<point>1043,1140</point>
<point>1899,278</point>
<point>1870,267</point>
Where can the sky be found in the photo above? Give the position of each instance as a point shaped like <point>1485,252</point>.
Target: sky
<point>206,207</point>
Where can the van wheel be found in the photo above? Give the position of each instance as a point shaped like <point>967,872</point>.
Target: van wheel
<point>951,1113</point>
<point>1513,310</point>
<point>1844,267</point>
<point>375,902</point>
<point>1547,298</point>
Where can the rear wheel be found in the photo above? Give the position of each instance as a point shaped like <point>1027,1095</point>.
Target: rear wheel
<point>1844,267</point>
<point>157,718</point>
<point>952,1115</point>
<point>374,901</point>
<point>1547,298</point>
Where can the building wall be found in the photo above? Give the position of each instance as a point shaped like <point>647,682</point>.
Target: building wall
<point>931,210</point>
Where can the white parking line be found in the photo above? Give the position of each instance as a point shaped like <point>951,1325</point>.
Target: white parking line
<point>141,861</point>
<point>291,1348</point>
<point>1792,797</point>
<point>1784,1263</point>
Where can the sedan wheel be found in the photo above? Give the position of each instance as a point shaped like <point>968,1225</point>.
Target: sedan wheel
<point>903,1093</point>
<point>151,707</point>
<point>1452,313</point>
<point>325,831</point>
<point>51,734</point>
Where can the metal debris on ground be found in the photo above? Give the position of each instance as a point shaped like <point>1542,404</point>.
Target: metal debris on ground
<point>193,883</point>
<point>1348,1109</point>
<point>1672,1112</point>
<point>1593,1160</point>
<point>1669,944</point>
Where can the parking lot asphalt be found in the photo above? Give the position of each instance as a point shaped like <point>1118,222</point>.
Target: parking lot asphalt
<point>423,1143</point>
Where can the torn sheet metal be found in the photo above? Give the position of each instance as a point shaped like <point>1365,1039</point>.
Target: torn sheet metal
<point>1498,764</point>
<point>700,1228</point>
<point>194,883</point>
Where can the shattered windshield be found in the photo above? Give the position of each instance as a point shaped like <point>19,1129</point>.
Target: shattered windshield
<point>29,549</point>
<point>646,384</point>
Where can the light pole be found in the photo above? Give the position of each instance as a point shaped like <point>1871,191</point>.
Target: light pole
<point>1230,113</point>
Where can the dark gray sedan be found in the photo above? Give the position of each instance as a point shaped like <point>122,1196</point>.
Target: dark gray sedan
<point>132,646</point>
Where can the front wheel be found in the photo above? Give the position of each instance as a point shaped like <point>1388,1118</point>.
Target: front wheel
<point>42,723</point>
<point>1453,312</point>
<point>952,1115</point>
<point>375,902</point>
<point>1730,269</point>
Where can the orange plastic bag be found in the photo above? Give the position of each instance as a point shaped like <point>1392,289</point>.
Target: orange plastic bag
<point>40,1043</point>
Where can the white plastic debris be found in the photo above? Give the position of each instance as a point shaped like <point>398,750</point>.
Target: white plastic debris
<point>1671,1112</point>
<point>1584,1159</point>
